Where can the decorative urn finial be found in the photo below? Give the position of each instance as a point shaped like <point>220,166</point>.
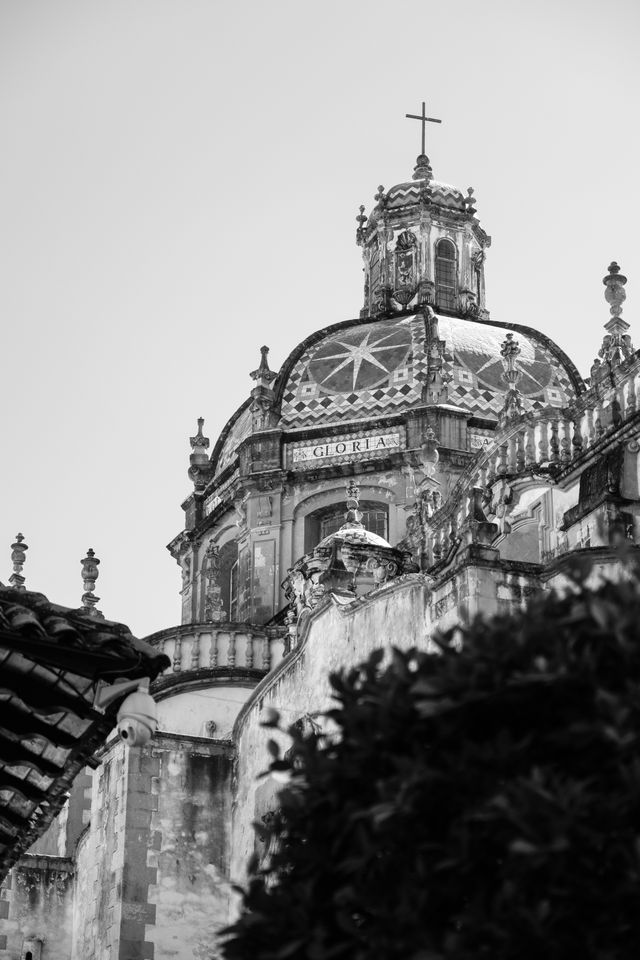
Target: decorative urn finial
<point>199,446</point>
<point>469,202</point>
<point>615,292</point>
<point>18,557</point>
<point>90,565</point>
<point>423,169</point>
<point>353,516</point>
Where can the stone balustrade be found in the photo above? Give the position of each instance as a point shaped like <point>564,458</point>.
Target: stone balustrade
<point>551,442</point>
<point>209,646</point>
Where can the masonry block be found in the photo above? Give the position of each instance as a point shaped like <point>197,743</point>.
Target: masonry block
<point>131,929</point>
<point>131,950</point>
<point>140,913</point>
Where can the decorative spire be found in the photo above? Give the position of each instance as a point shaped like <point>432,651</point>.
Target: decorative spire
<point>263,375</point>
<point>380,196</point>
<point>353,515</point>
<point>511,375</point>
<point>90,565</point>
<point>18,551</point>
<point>199,445</point>
<point>469,201</point>
<point>616,344</point>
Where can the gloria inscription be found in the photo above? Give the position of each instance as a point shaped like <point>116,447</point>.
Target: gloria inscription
<point>372,445</point>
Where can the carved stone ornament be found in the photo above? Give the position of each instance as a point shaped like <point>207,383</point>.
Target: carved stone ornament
<point>213,607</point>
<point>406,240</point>
<point>18,557</point>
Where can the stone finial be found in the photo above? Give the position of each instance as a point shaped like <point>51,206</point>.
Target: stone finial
<point>469,202</point>
<point>199,442</point>
<point>263,375</point>
<point>422,169</point>
<point>380,196</point>
<point>18,557</point>
<point>512,373</point>
<point>615,293</point>
<point>90,565</point>
<point>616,343</point>
<point>353,515</point>
<point>361,220</point>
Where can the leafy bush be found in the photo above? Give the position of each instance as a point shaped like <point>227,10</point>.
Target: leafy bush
<point>480,803</point>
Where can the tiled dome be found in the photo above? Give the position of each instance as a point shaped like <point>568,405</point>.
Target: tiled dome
<point>371,367</point>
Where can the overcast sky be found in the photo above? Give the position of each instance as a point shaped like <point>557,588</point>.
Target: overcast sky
<point>178,185</point>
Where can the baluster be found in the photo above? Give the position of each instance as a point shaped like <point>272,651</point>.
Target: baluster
<point>177,654</point>
<point>213,650</point>
<point>543,443</point>
<point>520,455</point>
<point>589,428</point>
<point>501,460</point>
<point>530,447</point>
<point>554,446</point>
<point>565,443</point>
<point>249,651</point>
<point>631,399</point>
<point>598,429</point>
<point>617,412</point>
<point>195,652</point>
<point>231,651</point>
<point>266,652</point>
<point>576,439</point>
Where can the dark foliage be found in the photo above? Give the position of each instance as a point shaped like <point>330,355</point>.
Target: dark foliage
<point>480,803</point>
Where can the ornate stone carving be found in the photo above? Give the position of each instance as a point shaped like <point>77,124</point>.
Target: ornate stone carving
<point>90,565</point>
<point>511,375</point>
<point>18,557</point>
<point>213,611</point>
<point>616,344</point>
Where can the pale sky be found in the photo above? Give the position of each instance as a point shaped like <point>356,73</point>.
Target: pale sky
<point>178,185</point>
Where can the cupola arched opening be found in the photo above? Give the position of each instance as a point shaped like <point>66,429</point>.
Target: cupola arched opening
<point>445,278</point>
<point>327,520</point>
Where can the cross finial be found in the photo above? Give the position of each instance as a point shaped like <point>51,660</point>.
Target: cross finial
<point>424,119</point>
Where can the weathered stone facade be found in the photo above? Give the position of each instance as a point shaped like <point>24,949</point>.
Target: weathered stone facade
<point>475,463</point>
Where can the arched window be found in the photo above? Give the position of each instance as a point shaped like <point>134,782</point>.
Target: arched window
<point>327,520</point>
<point>445,275</point>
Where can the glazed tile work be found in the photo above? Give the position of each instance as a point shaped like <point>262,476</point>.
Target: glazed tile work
<point>366,368</point>
<point>379,367</point>
<point>240,429</point>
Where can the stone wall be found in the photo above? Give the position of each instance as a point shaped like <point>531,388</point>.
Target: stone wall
<point>337,635</point>
<point>189,846</point>
<point>36,909</point>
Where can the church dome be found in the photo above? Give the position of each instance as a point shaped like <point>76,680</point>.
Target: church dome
<point>368,367</point>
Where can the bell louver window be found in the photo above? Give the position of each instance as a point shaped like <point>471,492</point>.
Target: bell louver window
<point>445,275</point>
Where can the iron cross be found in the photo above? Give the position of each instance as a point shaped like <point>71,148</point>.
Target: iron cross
<point>424,119</point>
